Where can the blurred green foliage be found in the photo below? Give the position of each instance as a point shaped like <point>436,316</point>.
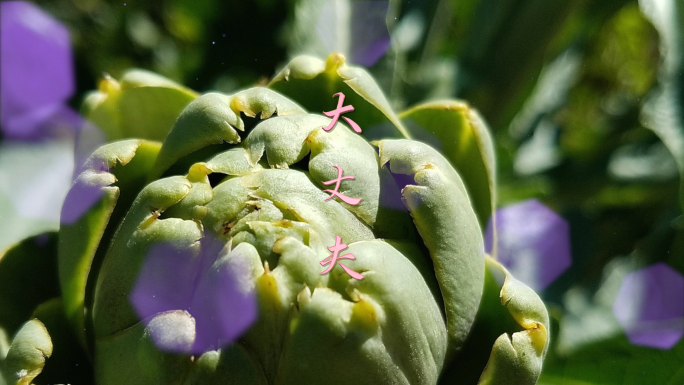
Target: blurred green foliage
<point>202,44</point>
<point>584,99</point>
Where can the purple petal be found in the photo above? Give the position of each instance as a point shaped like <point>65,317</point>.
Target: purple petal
<point>650,306</point>
<point>78,201</point>
<point>46,123</point>
<point>533,243</point>
<point>29,124</point>
<point>36,71</point>
<point>224,306</point>
<point>370,38</point>
<point>165,282</point>
<point>370,52</point>
<point>217,293</point>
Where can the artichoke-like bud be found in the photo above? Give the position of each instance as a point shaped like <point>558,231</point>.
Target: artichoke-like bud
<point>261,204</point>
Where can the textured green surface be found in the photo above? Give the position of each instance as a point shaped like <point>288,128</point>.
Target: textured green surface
<point>249,169</point>
<point>416,236</point>
<point>457,131</point>
<point>27,355</point>
<point>141,105</point>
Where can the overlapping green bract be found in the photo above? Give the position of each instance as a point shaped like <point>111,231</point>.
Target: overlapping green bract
<point>415,318</point>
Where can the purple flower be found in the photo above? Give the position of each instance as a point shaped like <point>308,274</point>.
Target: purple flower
<point>215,287</point>
<point>36,73</point>
<point>533,243</point>
<point>650,306</point>
<point>369,38</point>
<point>36,81</point>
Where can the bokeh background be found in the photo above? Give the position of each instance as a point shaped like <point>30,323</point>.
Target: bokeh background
<point>584,99</point>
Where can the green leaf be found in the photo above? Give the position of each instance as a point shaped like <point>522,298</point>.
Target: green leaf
<point>26,358</point>
<point>505,45</point>
<point>27,278</point>
<point>304,37</point>
<point>457,131</point>
<point>615,361</point>
<point>550,93</point>
<point>313,82</point>
<point>142,105</point>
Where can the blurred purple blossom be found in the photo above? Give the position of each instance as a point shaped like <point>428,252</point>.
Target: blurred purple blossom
<point>214,287</point>
<point>650,306</point>
<point>80,198</point>
<point>369,38</point>
<point>369,53</point>
<point>36,81</point>
<point>533,243</point>
<point>37,72</point>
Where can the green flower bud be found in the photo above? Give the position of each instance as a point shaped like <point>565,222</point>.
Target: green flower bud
<point>255,172</point>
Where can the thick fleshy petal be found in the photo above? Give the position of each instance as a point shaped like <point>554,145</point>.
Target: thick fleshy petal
<point>312,82</point>
<point>26,358</point>
<point>141,229</point>
<point>233,365</point>
<point>293,191</point>
<point>444,216</point>
<point>457,131</point>
<point>386,328</point>
<point>289,139</point>
<point>517,358</point>
<point>132,356</point>
<point>215,118</point>
<point>69,362</point>
<point>142,105</point>
<point>90,217</point>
